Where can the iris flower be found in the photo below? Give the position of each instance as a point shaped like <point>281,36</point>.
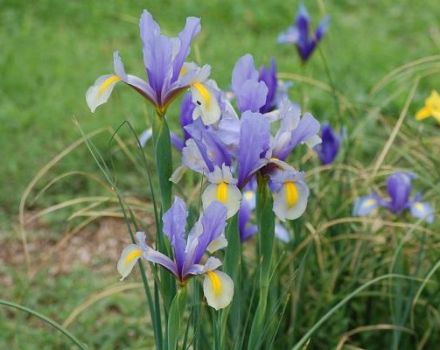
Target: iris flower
<point>399,189</point>
<point>329,147</point>
<point>231,152</point>
<point>431,108</point>
<point>168,74</point>
<point>206,235</point>
<point>299,34</point>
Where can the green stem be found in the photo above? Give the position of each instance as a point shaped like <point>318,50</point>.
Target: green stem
<point>162,151</point>
<point>266,227</point>
<point>175,319</point>
<point>47,320</point>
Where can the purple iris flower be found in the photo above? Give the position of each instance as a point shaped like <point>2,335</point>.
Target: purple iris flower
<point>164,60</point>
<point>299,34</point>
<point>187,250</point>
<point>329,148</point>
<point>399,189</point>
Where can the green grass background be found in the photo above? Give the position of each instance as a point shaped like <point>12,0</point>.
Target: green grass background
<point>52,51</point>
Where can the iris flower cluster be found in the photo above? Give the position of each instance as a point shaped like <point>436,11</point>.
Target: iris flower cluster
<point>230,147</point>
<point>399,187</point>
<point>233,151</point>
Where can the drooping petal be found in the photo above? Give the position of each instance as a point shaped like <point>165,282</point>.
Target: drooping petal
<point>206,104</point>
<point>174,223</point>
<point>129,257</point>
<point>154,256</point>
<point>211,264</point>
<point>422,210</point>
<point>365,205</point>
<point>218,288</point>
<point>101,90</point>
<point>227,194</point>
<point>253,145</point>
<point>290,36</point>
<point>290,201</point>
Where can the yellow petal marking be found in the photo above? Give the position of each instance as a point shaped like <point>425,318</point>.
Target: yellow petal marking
<point>222,192</point>
<point>370,202</point>
<point>135,254</point>
<point>292,194</point>
<point>419,206</point>
<point>204,92</point>
<point>107,83</point>
<point>216,282</point>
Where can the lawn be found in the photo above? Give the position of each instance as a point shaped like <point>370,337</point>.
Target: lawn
<point>52,51</point>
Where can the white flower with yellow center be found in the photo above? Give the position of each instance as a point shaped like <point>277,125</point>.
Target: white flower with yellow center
<point>291,194</point>
<point>222,188</point>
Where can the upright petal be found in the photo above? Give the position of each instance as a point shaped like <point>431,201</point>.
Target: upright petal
<point>244,70</point>
<point>399,189</point>
<point>158,55</point>
<point>218,288</point>
<point>253,145</point>
<point>213,222</point>
<point>189,32</point>
<point>251,96</point>
<point>269,77</point>
<point>328,149</point>
<point>322,28</point>
<point>174,223</point>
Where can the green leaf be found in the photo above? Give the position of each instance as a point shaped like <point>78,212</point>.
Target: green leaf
<point>175,319</point>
